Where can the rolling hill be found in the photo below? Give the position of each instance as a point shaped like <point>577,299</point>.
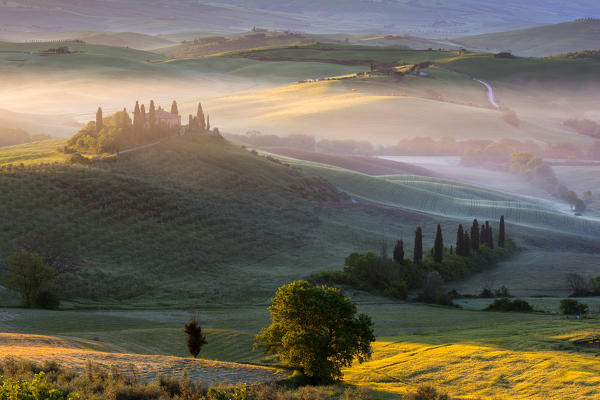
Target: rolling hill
<point>196,220</point>
<point>539,41</point>
<point>431,18</point>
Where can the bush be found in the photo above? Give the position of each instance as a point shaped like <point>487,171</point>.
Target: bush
<point>397,290</point>
<point>573,307</point>
<point>77,158</point>
<point>505,304</point>
<point>48,300</point>
<point>427,393</point>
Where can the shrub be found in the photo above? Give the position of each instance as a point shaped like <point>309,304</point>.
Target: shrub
<point>573,307</point>
<point>505,304</point>
<point>427,393</point>
<point>36,389</point>
<point>47,299</point>
<point>77,158</point>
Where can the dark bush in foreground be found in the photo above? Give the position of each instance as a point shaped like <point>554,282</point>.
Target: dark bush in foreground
<point>506,304</point>
<point>573,307</point>
<point>426,393</point>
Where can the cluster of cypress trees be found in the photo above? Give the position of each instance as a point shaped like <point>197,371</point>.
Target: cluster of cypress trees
<point>465,242</point>
<point>198,123</point>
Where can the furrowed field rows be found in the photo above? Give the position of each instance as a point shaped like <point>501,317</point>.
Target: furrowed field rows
<point>425,197</point>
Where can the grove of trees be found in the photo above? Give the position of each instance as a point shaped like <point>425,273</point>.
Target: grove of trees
<point>119,131</point>
<point>475,250</point>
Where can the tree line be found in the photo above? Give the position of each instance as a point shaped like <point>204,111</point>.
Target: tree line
<point>477,247</point>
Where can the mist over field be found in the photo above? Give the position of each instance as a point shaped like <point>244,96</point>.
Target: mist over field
<point>316,200</point>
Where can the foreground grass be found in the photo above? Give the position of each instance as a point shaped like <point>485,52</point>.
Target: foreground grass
<point>469,354</point>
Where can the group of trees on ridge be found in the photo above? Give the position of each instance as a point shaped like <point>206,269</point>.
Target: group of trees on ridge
<point>476,248</point>
<point>119,131</point>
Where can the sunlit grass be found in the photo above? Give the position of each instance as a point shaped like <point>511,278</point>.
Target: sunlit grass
<point>33,153</point>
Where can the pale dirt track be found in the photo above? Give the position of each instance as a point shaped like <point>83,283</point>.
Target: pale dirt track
<point>75,355</point>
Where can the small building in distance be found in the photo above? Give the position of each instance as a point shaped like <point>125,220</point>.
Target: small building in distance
<point>167,119</point>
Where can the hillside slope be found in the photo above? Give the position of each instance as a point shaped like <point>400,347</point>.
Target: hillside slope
<point>540,41</point>
<point>194,220</point>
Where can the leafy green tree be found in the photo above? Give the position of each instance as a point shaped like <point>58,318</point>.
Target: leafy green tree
<point>438,247</point>
<point>501,233</point>
<point>28,275</point>
<point>195,339</point>
<point>418,250</point>
<point>316,329</point>
<point>399,252</point>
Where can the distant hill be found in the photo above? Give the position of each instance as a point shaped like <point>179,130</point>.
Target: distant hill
<point>541,41</point>
<point>119,39</point>
<point>430,18</point>
<point>218,44</point>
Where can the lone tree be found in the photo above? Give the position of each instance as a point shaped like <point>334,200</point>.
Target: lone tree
<point>28,275</point>
<point>99,122</point>
<point>438,247</point>
<point>501,232</point>
<point>316,329</point>
<point>195,339</point>
<point>399,252</point>
<point>418,251</point>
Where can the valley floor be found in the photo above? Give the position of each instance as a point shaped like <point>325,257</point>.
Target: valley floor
<point>467,353</point>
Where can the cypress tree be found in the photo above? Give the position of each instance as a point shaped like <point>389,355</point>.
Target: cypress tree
<point>467,246</point>
<point>399,252</point>
<point>208,122</point>
<point>190,123</point>
<point>195,339</point>
<point>490,237</point>
<point>143,116</point>
<point>383,250</point>
<point>483,234</point>
<point>460,237</point>
<point>475,235</point>
<point>201,119</point>
<point>137,120</point>
<point>174,109</point>
<point>99,121</point>
<point>501,232</point>
<point>152,114</point>
<point>438,247</point>
<point>418,251</point>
